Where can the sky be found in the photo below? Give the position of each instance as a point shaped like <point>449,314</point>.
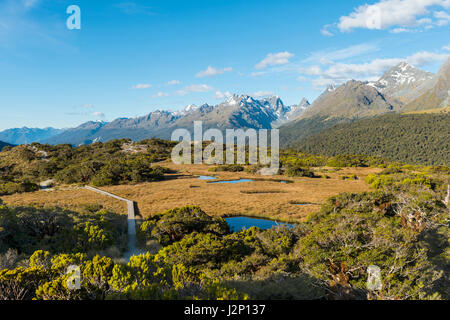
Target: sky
<point>132,57</point>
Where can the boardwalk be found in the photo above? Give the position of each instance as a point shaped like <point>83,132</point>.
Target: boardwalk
<point>131,207</point>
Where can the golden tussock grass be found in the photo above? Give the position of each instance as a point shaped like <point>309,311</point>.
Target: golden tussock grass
<point>257,198</point>
<point>67,198</point>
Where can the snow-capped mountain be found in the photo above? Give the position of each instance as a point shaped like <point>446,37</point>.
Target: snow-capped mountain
<point>236,112</point>
<point>400,80</point>
<point>352,100</point>
<point>331,87</point>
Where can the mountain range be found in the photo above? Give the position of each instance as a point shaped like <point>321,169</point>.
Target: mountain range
<point>26,135</point>
<point>401,89</point>
<point>238,111</point>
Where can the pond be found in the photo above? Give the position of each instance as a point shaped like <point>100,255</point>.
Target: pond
<point>238,224</point>
<point>206,178</point>
<point>234,181</point>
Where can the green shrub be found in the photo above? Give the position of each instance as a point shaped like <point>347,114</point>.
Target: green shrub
<point>295,170</point>
<point>228,168</point>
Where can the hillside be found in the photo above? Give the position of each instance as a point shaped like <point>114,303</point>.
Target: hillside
<point>351,100</point>
<point>438,95</point>
<point>293,133</point>
<point>3,144</point>
<point>414,138</point>
<point>403,82</point>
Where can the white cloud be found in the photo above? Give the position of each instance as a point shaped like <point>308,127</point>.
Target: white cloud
<point>327,57</point>
<point>160,95</point>
<point>446,47</point>
<point>369,71</point>
<point>401,30</point>
<point>87,106</point>
<point>274,59</point>
<point>422,58</point>
<point>443,18</point>
<point>388,13</point>
<point>195,88</point>
<point>142,86</point>
<point>259,94</point>
<point>311,71</point>
<point>211,71</point>
<point>222,95</point>
<point>326,30</point>
<point>173,82</point>
<point>28,4</point>
<point>258,74</point>
<point>98,114</point>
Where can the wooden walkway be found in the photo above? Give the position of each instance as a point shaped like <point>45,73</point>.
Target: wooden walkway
<point>131,207</point>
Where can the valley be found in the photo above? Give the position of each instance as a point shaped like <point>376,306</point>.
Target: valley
<point>363,180</point>
<point>196,155</point>
<point>264,197</point>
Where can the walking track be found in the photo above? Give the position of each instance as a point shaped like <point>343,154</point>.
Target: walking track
<point>132,240</point>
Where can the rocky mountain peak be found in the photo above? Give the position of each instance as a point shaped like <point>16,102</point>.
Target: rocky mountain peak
<point>401,79</point>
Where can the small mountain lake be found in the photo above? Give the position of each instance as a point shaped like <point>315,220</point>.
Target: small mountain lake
<point>238,224</point>
<point>206,178</point>
<point>234,181</point>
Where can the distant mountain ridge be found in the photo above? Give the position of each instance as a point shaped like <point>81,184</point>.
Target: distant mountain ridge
<point>401,89</point>
<point>26,135</point>
<point>238,111</point>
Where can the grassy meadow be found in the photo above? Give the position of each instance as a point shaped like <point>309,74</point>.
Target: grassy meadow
<point>264,197</point>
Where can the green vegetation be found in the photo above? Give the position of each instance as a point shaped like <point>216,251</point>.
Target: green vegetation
<point>173,225</point>
<point>99,164</point>
<point>295,170</point>
<point>402,226</point>
<point>28,229</point>
<point>414,138</point>
<point>293,133</point>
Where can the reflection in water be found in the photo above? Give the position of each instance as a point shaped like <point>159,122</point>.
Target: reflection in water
<point>206,178</point>
<point>235,181</point>
<point>240,223</point>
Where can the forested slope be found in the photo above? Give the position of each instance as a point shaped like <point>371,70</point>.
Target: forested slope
<point>414,138</point>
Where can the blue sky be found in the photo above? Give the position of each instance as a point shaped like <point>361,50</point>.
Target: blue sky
<point>133,57</point>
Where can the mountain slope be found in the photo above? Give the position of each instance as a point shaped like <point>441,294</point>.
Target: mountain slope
<point>401,80</point>
<point>415,138</point>
<point>4,144</point>
<point>351,100</point>
<point>438,96</point>
<point>79,135</point>
<point>26,135</point>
